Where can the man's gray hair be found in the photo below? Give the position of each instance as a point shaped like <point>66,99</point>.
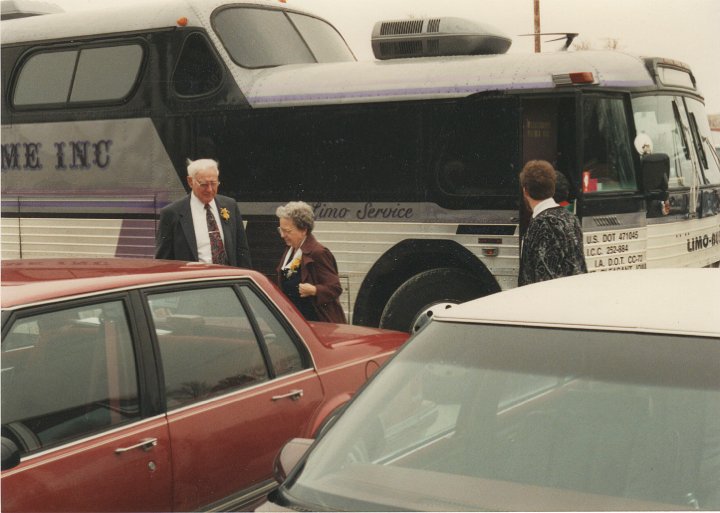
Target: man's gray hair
<point>300,213</point>
<point>193,166</point>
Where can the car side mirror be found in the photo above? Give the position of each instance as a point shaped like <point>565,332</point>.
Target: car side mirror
<point>655,172</point>
<point>289,456</point>
<point>10,454</point>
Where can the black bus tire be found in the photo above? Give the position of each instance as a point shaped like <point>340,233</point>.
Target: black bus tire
<point>444,285</point>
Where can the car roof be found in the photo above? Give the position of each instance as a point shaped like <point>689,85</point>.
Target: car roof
<point>38,280</point>
<point>682,301</point>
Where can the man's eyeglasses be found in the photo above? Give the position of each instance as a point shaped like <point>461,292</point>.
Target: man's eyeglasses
<point>285,231</point>
<point>212,185</point>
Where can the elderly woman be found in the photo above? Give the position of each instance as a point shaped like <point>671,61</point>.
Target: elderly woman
<point>308,273</point>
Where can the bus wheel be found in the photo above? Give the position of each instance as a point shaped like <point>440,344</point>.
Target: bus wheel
<point>411,305</point>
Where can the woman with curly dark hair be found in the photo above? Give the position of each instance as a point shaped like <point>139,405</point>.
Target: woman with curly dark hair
<point>553,245</point>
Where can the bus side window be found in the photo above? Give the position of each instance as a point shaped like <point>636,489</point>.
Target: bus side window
<point>197,71</point>
<point>45,78</point>
<point>106,74</point>
<point>480,151</point>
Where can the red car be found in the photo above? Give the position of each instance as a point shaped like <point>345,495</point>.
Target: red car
<point>149,385</point>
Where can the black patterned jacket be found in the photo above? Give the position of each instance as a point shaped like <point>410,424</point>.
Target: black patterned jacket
<point>553,247</point>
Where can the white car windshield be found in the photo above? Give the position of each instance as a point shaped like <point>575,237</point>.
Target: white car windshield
<point>486,417</point>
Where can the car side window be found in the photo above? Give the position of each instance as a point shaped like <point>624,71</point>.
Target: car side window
<point>207,344</point>
<point>67,374</point>
<point>284,354</point>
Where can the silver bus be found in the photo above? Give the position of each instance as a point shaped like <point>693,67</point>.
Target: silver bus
<point>411,160</point>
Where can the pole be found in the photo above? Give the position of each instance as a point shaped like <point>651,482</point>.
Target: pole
<point>536,12</point>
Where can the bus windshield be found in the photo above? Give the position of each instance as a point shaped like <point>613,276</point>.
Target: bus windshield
<point>676,131</point>
<point>660,118</point>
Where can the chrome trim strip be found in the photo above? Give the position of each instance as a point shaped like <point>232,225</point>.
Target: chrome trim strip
<point>232,396</point>
<point>127,288</point>
<point>581,327</point>
<point>128,430</point>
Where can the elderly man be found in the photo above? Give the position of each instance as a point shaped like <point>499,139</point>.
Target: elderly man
<point>203,226</point>
<point>553,245</point>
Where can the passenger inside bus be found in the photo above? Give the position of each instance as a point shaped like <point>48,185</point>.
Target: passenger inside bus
<point>562,192</point>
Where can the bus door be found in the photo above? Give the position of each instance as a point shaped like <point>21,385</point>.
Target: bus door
<point>610,204</point>
<point>549,133</point>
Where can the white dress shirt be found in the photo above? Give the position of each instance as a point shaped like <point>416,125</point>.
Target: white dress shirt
<point>202,236</point>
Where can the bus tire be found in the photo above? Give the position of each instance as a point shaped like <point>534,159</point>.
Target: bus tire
<point>425,289</point>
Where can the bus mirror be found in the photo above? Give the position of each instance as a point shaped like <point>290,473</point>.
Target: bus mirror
<point>655,171</point>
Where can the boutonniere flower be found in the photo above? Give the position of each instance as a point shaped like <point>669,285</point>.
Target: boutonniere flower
<point>225,214</point>
<point>295,264</point>
<point>291,268</point>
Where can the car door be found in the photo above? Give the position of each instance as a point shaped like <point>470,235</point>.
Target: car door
<point>229,408</point>
<point>72,403</point>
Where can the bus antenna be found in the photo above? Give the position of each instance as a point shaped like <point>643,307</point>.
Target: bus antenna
<point>569,37</point>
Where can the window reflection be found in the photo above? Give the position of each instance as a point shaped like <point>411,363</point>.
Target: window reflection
<point>283,352</point>
<point>67,374</point>
<point>207,344</point>
<point>535,412</point>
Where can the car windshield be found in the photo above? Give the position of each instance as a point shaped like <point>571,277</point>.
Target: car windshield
<point>488,417</point>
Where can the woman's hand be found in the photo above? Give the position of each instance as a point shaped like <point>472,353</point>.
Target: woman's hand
<point>307,289</point>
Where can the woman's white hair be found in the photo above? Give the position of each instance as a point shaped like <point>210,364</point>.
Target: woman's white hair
<point>300,213</point>
<point>194,166</point>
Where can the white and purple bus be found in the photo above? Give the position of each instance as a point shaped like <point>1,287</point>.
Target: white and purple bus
<point>411,161</point>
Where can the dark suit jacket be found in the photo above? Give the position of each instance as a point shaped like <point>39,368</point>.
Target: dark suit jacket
<point>318,266</point>
<point>176,234</point>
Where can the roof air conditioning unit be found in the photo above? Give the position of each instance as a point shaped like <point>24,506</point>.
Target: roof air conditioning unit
<point>397,39</point>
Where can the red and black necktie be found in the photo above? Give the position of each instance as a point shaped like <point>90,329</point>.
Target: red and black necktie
<point>216,244</point>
